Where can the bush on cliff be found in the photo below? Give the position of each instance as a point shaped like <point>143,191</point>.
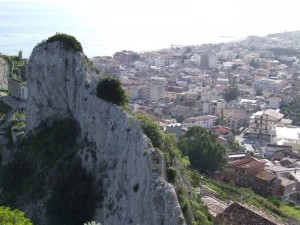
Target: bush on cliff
<point>68,40</point>
<point>110,89</point>
<point>152,130</point>
<point>13,217</point>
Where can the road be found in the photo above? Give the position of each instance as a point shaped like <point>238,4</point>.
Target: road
<point>3,73</point>
<point>254,145</point>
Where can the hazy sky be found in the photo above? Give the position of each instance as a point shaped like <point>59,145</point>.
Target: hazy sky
<point>181,22</point>
<point>229,16</point>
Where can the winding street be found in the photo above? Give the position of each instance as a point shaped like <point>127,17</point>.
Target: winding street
<point>3,73</point>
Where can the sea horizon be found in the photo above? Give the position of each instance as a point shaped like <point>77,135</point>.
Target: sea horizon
<point>24,25</point>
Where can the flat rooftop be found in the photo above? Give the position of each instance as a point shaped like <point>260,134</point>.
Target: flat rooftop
<point>287,132</point>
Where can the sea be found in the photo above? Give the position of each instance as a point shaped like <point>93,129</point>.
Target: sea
<point>23,25</point>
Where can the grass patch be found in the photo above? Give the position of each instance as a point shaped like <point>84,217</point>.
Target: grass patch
<point>293,211</point>
<point>4,90</point>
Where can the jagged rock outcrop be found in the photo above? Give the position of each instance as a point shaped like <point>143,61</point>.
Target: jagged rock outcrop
<point>116,151</point>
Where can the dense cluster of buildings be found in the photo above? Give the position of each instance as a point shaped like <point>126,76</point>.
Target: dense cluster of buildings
<point>184,86</point>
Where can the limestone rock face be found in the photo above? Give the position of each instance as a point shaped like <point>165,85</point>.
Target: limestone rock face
<point>116,152</point>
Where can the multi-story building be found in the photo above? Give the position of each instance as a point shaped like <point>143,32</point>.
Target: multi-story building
<point>262,122</point>
<point>152,92</point>
<point>171,96</point>
<point>269,84</point>
<point>175,128</point>
<point>240,171</point>
<point>250,172</point>
<point>236,121</point>
<point>274,101</point>
<point>214,107</point>
<point>201,121</point>
<point>125,57</point>
<point>208,61</point>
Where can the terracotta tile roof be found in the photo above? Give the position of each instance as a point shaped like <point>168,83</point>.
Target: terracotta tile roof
<point>286,162</point>
<point>265,175</point>
<point>237,214</point>
<point>251,164</point>
<point>286,182</point>
<point>245,160</point>
<point>221,129</point>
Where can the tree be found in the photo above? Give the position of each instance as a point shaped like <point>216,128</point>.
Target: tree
<point>231,93</point>
<point>203,150</point>
<point>110,90</point>
<point>152,130</point>
<point>234,67</point>
<point>170,149</point>
<point>235,146</point>
<point>13,217</point>
<point>254,63</point>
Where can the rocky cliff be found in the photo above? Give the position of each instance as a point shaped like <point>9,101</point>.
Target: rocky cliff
<point>61,85</point>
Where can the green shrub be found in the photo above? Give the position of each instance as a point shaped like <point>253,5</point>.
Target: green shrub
<point>152,130</point>
<point>68,40</point>
<point>74,197</point>
<point>110,89</point>
<point>184,204</point>
<point>201,218</point>
<point>12,217</point>
<point>51,142</point>
<point>16,178</point>
<point>4,108</point>
<point>274,201</point>
<point>46,164</point>
<point>290,203</point>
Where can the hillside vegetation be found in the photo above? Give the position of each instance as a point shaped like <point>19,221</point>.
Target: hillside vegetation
<point>46,169</point>
<point>184,181</point>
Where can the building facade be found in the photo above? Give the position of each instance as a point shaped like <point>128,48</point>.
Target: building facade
<point>262,122</point>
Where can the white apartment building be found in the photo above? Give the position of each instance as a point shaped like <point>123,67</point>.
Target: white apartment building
<point>152,93</point>
<point>208,94</point>
<point>262,122</point>
<point>208,61</point>
<point>214,107</point>
<point>200,121</point>
<point>274,102</point>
